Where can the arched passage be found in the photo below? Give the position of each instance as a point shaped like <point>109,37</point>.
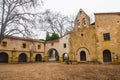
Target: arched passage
<point>106,56</point>
<point>38,58</point>
<point>22,57</point>
<point>53,55</point>
<point>82,56</point>
<point>65,57</point>
<point>3,57</point>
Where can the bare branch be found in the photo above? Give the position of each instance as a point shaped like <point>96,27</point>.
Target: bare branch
<point>15,13</point>
<point>55,22</point>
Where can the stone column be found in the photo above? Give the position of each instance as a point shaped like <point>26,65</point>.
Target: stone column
<point>46,59</point>
<point>9,59</point>
<point>60,59</point>
<point>43,59</point>
<point>32,59</point>
<point>14,59</point>
<point>28,59</point>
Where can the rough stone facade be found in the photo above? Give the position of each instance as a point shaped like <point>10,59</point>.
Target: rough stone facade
<point>17,49</point>
<point>14,47</point>
<point>61,46</point>
<point>96,42</point>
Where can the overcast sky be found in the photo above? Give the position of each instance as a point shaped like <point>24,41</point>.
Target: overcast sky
<point>71,7</point>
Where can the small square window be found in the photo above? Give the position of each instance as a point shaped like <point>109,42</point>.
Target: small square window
<point>4,44</point>
<point>64,45</point>
<point>24,45</point>
<point>52,44</point>
<point>39,46</point>
<point>106,36</point>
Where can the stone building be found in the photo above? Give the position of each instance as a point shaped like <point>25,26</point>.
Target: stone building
<point>17,49</point>
<point>96,42</point>
<point>60,46</point>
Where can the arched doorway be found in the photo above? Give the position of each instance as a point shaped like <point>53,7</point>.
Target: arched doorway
<point>106,56</point>
<point>3,57</point>
<point>53,55</point>
<point>65,57</point>
<point>22,57</point>
<point>82,56</point>
<point>38,58</point>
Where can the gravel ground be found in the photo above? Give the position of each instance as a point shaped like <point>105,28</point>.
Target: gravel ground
<point>59,71</point>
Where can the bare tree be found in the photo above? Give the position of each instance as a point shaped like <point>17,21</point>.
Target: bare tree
<point>16,17</point>
<point>55,22</point>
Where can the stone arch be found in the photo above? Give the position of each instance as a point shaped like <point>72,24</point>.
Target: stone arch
<point>22,57</point>
<point>65,57</point>
<point>107,56</point>
<point>53,55</point>
<point>38,57</point>
<point>83,54</point>
<point>4,57</point>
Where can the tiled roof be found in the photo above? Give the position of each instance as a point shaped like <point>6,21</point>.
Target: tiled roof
<point>22,38</point>
<point>104,13</point>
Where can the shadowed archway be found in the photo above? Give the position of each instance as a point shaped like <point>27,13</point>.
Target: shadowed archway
<point>38,58</point>
<point>53,55</point>
<point>65,57</point>
<point>107,56</point>
<point>82,56</point>
<point>22,57</point>
<point>3,57</point>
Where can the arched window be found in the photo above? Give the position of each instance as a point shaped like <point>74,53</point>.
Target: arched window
<point>78,23</point>
<point>84,21</point>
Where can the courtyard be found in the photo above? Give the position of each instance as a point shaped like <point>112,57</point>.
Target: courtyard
<point>58,71</point>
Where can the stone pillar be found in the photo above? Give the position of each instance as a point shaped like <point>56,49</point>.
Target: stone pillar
<point>28,59</point>
<point>60,59</point>
<point>32,59</point>
<point>16,60</point>
<point>14,57</point>
<point>10,60</point>
<point>43,59</point>
<point>46,59</point>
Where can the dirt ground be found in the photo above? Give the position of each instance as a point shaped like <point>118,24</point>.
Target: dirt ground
<point>59,71</point>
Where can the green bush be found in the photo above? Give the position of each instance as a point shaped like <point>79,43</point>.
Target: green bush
<point>54,36</point>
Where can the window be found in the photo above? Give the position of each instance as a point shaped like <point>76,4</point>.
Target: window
<point>52,44</point>
<point>4,43</point>
<point>106,36</point>
<point>84,22</point>
<point>64,45</point>
<point>39,46</point>
<point>78,23</point>
<point>24,45</point>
